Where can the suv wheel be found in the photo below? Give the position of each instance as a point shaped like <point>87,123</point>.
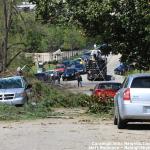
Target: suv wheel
<point>121,123</point>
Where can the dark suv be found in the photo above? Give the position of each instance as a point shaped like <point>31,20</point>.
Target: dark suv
<point>69,74</point>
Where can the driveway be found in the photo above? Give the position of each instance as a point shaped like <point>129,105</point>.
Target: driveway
<point>77,133</point>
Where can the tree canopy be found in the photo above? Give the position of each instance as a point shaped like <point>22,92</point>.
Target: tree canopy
<point>124,24</point>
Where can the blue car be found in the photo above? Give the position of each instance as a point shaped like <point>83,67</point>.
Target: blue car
<point>121,69</point>
<point>69,74</point>
<point>66,63</point>
<point>80,68</point>
<point>41,76</point>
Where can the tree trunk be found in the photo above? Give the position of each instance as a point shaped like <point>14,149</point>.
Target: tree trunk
<point>1,58</point>
<point>5,5</point>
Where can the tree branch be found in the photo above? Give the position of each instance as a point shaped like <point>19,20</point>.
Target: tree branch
<point>16,44</point>
<point>10,61</point>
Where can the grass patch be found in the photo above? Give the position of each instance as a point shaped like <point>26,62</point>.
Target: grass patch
<point>8,112</point>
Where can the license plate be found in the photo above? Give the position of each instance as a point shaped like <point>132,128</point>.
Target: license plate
<point>147,109</point>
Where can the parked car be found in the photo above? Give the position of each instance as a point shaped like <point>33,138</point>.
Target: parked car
<point>80,68</point>
<point>69,74</point>
<point>80,60</point>
<point>106,89</point>
<point>132,101</point>
<point>74,62</point>
<point>14,90</point>
<point>52,75</point>
<point>121,69</point>
<point>66,63</point>
<point>60,68</point>
<point>41,76</point>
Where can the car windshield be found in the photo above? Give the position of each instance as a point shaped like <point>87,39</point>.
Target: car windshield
<point>10,83</point>
<point>79,66</point>
<point>141,82</point>
<point>69,71</point>
<point>114,86</point>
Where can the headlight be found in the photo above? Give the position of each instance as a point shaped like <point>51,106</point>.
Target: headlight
<point>23,94</point>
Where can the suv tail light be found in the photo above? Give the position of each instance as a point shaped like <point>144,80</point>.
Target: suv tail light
<point>126,95</point>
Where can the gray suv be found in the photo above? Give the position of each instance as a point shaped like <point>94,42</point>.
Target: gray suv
<point>14,90</point>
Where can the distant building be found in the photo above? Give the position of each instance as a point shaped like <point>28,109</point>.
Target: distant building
<point>26,6</point>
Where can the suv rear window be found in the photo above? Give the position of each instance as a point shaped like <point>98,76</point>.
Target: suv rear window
<point>141,82</point>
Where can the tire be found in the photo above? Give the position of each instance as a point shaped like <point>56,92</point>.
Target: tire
<point>115,120</point>
<point>121,124</point>
<point>19,105</point>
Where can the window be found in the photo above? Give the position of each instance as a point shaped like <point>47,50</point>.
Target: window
<point>114,86</point>
<point>141,82</point>
<point>10,83</point>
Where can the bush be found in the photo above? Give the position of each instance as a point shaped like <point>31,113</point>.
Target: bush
<point>103,105</point>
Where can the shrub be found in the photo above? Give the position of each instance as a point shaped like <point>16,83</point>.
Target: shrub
<point>56,96</point>
<point>102,105</point>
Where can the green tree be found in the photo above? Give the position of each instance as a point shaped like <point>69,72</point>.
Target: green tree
<point>73,39</point>
<point>49,10</point>
<point>13,31</point>
<point>123,24</point>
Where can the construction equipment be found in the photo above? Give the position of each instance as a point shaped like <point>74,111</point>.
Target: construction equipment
<point>97,67</point>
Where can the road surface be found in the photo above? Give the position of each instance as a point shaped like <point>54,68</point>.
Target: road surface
<point>75,133</point>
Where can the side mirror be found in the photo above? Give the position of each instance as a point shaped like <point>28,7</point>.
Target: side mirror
<point>91,90</point>
<point>29,86</point>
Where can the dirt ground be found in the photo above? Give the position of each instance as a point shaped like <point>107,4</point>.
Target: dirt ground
<point>71,131</point>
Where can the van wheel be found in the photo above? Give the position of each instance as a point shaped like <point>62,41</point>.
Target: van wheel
<point>19,105</point>
<point>121,123</point>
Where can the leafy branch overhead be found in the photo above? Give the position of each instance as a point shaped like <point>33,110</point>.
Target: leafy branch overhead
<point>125,24</point>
